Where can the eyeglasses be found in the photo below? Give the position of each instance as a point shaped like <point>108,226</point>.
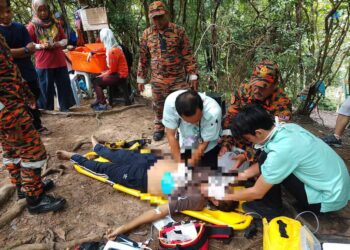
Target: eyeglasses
<point>162,43</point>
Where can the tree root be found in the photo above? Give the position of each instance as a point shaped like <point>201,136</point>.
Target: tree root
<point>79,144</point>
<point>56,169</point>
<point>44,168</point>
<point>19,243</point>
<point>58,245</point>
<point>91,113</point>
<point>6,192</point>
<point>13,212</point>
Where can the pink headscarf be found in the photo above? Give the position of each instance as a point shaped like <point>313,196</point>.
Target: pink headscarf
<point>41,26</point>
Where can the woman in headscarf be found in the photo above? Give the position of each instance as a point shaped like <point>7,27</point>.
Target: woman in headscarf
<point>117,70</point>
<point>70,33</point>
<point>50,62</point>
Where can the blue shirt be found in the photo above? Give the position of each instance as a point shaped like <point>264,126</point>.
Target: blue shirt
<point>294,150</point>
<point>208,129</point>
<point>17,36</point>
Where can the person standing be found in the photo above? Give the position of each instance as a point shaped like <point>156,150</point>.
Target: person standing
<point>23,153</point>
<point>50,61</point>
<point>343,120</point>
<point>166,48</point>
<point>22,47</point>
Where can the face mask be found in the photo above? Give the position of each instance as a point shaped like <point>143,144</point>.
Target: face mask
<point>267,138</point>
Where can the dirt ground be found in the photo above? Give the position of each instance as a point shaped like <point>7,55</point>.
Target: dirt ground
<point>93,207</point>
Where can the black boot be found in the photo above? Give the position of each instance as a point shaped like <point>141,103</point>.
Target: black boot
<point>158,135</point>
<point>48,184</point>
<point>45,203</point>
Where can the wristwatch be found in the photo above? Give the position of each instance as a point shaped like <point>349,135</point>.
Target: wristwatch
<point>26,51</point>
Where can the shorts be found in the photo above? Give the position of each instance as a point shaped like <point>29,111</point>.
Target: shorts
<point>345,107</point>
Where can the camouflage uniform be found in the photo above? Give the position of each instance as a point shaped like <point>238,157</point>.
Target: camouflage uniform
<point>24,154</point>
<point>278,104</point>
<point>170,57</point>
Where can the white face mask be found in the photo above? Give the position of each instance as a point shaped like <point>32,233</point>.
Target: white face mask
<point>266,139</point>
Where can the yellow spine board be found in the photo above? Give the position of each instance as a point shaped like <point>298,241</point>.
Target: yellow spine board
<point>235,220</point>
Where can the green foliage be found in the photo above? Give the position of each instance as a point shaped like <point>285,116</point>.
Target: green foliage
<point>244,32</point>
<point>327,104</point>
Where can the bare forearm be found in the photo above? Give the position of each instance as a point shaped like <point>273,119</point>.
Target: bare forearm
<point>147,217</point>
<point>18,53</point>
<point>197,154</point>
<point>252,171</point>
<point>258,191</point>
<point>246,194</point>
<point>174,147</point>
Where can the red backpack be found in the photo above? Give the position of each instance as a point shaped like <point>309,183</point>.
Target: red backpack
<point>200,242</point>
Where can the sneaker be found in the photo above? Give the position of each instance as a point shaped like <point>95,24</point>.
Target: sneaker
<point>331,140</point>
<point>45,203</point>
<point>259,209</point>
<point>158,135</point>
<point>48,184</point>
<point>100,107</point>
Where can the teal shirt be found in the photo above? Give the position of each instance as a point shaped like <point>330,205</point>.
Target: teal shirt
<point>294,150</point>
<point>210,124</point>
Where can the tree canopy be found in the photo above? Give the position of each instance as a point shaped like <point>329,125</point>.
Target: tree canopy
<point>308,39</point>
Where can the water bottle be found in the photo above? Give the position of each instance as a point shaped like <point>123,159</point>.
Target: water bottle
<point>167,183</point>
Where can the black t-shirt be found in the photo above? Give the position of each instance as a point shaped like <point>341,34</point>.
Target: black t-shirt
<point>17,36</point>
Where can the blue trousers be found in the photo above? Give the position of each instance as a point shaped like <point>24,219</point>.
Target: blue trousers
<point>126,167</point>
<point>47,80</point>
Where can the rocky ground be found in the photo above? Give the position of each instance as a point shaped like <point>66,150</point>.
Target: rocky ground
<point>93,207</point>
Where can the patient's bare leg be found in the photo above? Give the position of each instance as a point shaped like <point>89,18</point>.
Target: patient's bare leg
<point>64,155</point>
<point>94,141</point>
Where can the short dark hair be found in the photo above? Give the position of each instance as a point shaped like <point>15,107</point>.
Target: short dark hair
<point>226,206</point>
<point>250,118</point>
<point>8,3</point>
<point>188,102</point>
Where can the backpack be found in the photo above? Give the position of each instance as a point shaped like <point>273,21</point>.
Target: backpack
<point>200,242</point>
<point>288,234</point>
<point>128,56</point>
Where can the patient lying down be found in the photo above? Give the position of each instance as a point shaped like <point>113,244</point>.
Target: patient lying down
<point>144,172</point>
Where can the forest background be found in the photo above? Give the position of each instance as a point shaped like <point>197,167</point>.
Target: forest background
<point>309,39</point>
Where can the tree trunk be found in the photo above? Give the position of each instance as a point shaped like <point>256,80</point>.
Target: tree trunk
<point>199,4</point>
<point>184,13</point>
<point>214,39</point>
<point>63,9</point>
<point>145,7</point>
<point>171,10</point>
<point>298,16</point>
<point>333,40</point>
